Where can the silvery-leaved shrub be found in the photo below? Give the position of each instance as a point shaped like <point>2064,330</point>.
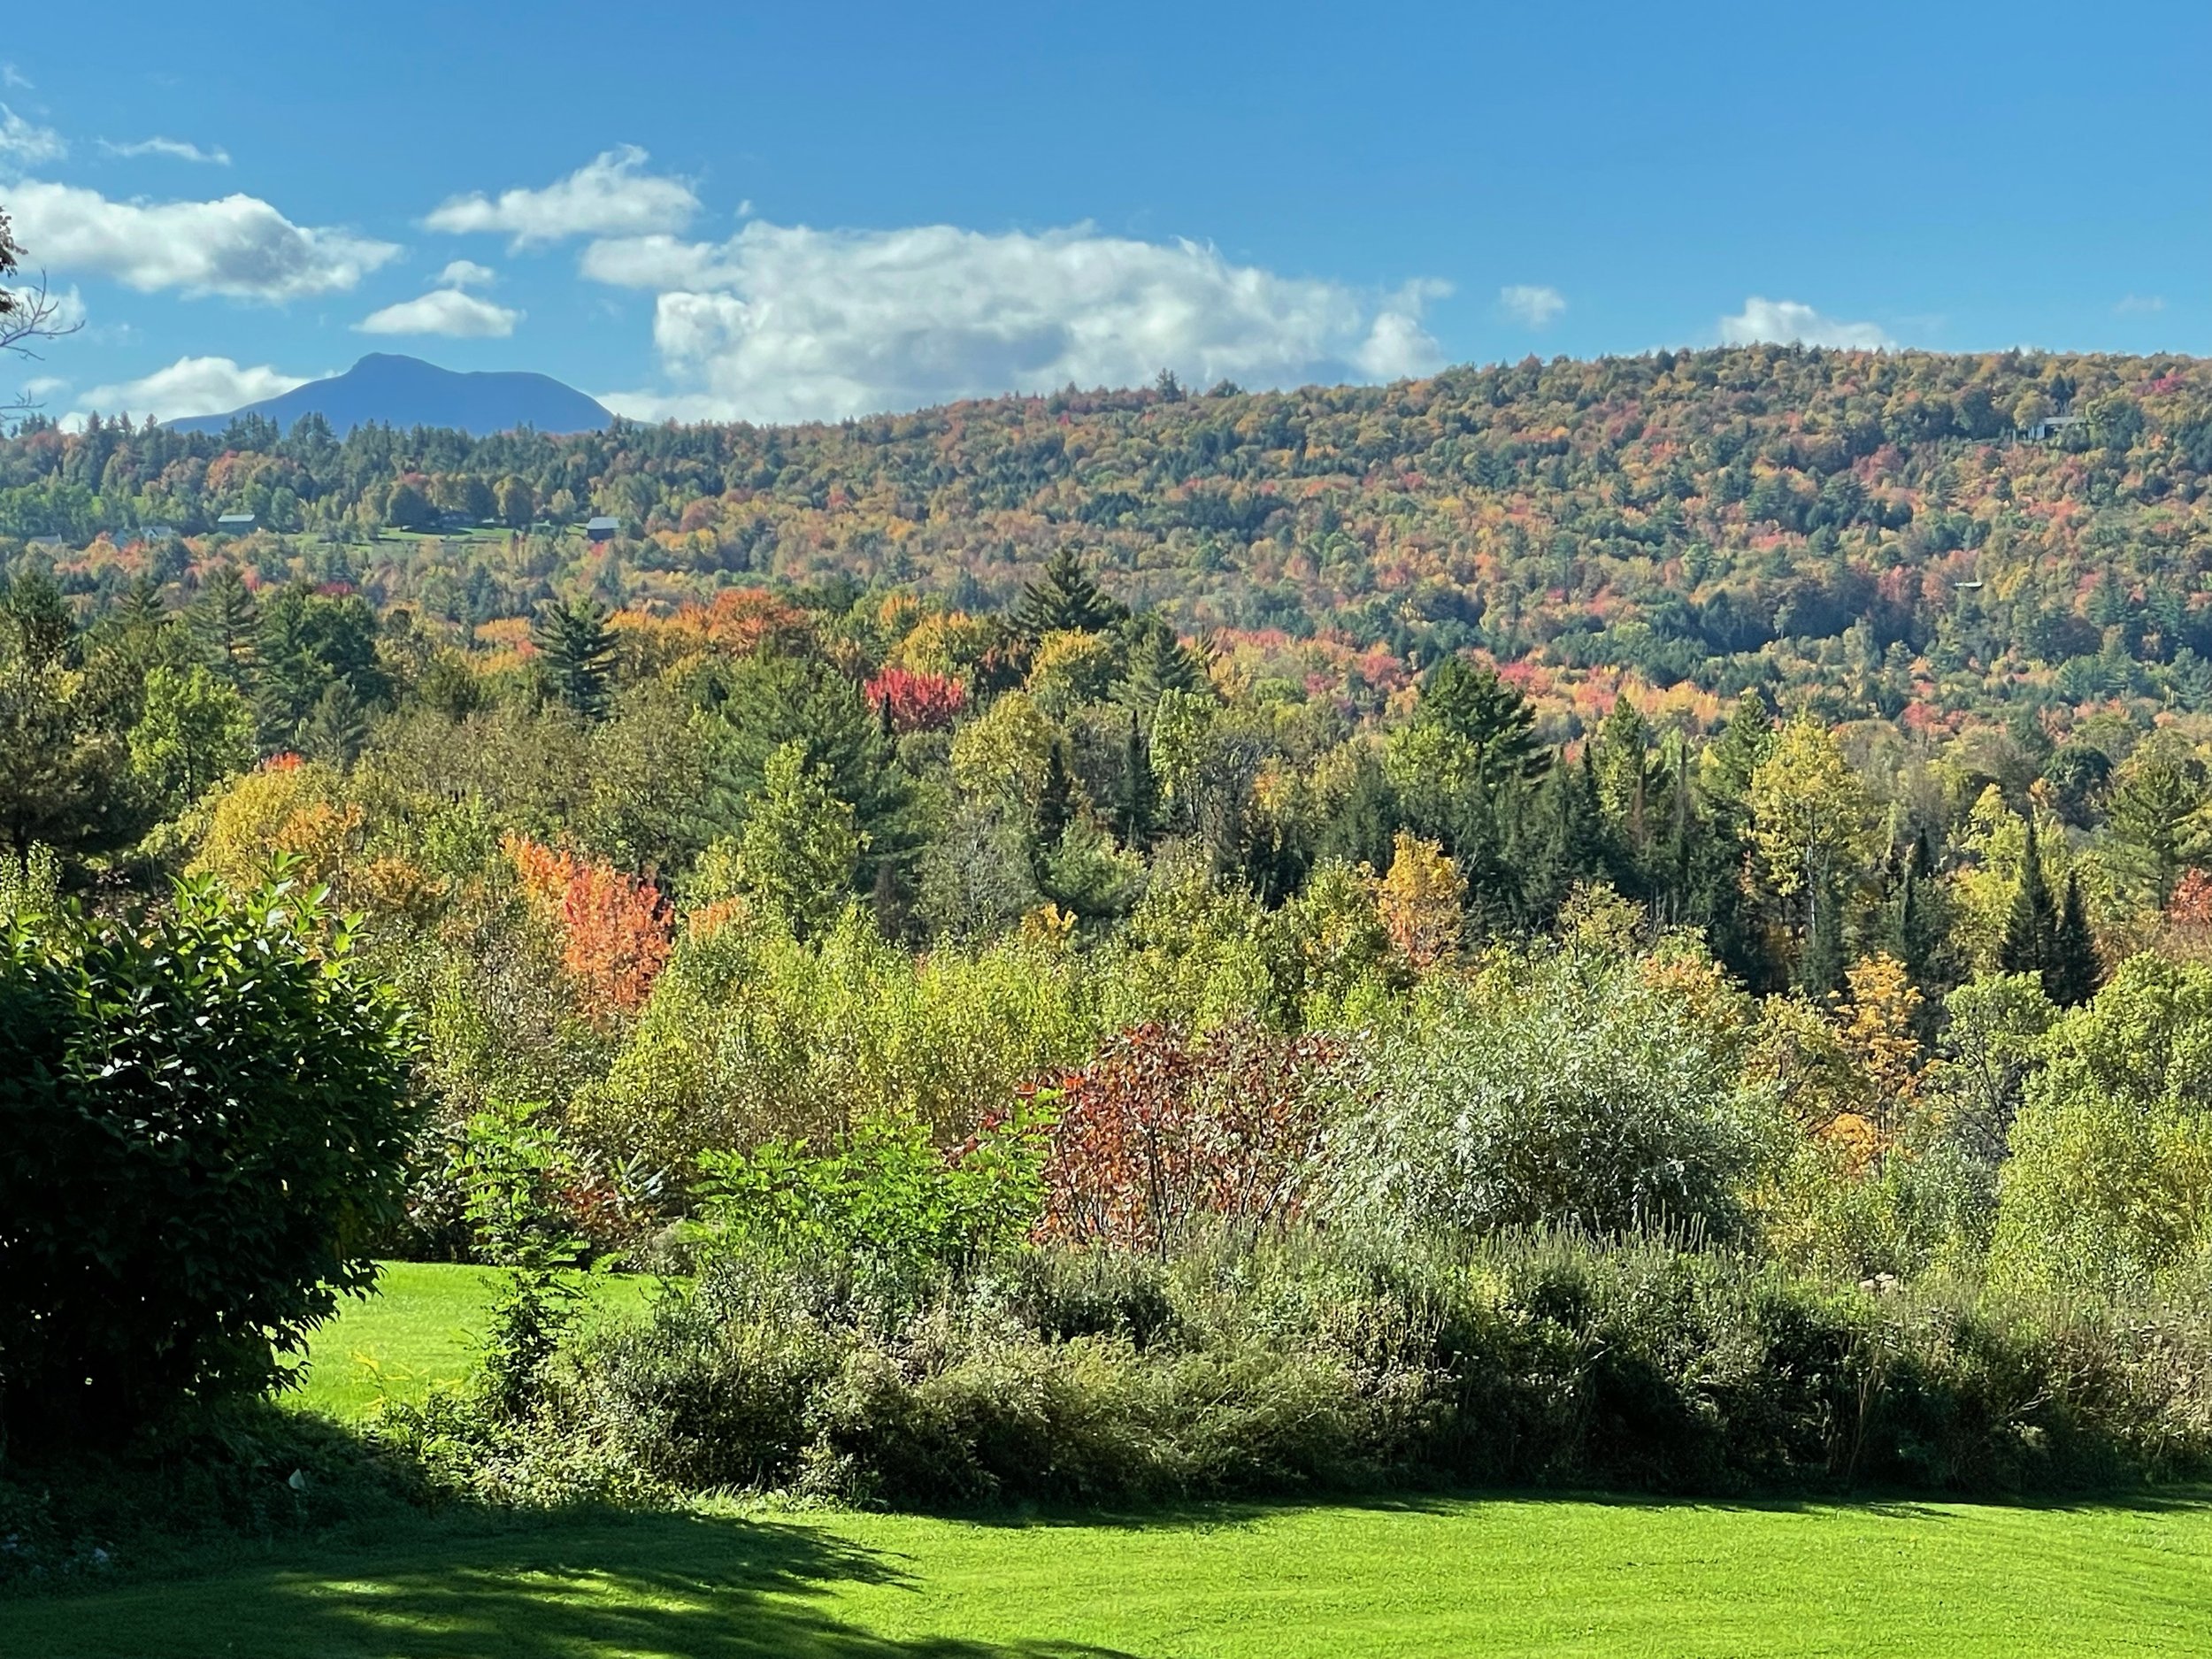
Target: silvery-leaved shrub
<point>1567,1088</point>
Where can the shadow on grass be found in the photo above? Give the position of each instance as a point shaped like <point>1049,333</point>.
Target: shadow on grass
<point>572,1587</point>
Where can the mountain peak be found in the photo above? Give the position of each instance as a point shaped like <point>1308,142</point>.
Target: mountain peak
<point>388,389</point>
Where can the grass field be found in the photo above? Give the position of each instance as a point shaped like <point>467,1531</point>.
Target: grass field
<point>1471,1577</point>
<point>1548,1577</point>
<point>424,1326</point>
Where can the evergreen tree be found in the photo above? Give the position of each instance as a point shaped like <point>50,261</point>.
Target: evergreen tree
<point>1565,845</point>
<point>769,700</point>
<point>41,627</point>
<point>2158,810</point>
<point>576,650</point>
<point>1494,719</point>
<point>1626,772</point>
<point>336,729</point>
<point>1136,806</point>
<point>1730,759</point>
<point>1055,798</point>
<point>1065,599</point>
<point>2031,928</point>
<point>224,620</point>
<point>799,848</point>
<point>1158,663</point>
<point>1820,968</point>
<point>2075,970</point>
<point>1363,827</point>
<point>141,606</point>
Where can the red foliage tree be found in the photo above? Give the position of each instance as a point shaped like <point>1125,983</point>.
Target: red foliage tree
<point>919,702</point>
<point>2189,916</point>
<point>1157,1131</point>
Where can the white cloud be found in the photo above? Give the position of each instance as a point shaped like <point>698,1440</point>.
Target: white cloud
<point>1786,322</point>
<point>26,144</point>
<point>190,386</point>
<point>447,312</point>
<point>611,196</point>
<point>10,76</point>
<point>1531,303</point>
<point>239,246</point>
<point>462,273</point>
<point>2140,305</point>
<point>175,149</point>
<point>784,323</point>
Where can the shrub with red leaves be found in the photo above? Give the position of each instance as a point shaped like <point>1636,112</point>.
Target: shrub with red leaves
<point>1159,1131</point>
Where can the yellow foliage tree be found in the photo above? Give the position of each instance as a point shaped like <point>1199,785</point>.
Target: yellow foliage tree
<point>1878,1030</point>
<point>1423,902</point>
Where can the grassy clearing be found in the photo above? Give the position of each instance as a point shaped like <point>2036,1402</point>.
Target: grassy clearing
<point>1522,1577</point>
<point>424,1327</point>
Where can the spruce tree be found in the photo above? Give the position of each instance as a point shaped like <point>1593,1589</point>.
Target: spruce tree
<point>1136,806</point>
<point>577,650</point>
<point>1065,599</point>
<point>1158,663</point>
<point>2075,970</point>
<point>1492,718</point>
<point>1055,799</point>
<point>2032,929</point>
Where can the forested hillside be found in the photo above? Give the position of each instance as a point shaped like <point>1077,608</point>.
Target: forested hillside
<point>1867,529</point>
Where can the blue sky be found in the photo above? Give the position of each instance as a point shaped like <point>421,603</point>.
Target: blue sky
<point>790,212</point>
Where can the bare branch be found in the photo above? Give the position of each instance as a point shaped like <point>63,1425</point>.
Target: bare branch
<point>26,314</point>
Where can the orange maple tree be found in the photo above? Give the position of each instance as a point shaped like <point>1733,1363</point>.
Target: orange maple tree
<point>614,929</point>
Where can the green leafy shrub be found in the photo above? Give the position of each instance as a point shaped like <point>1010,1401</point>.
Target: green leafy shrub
<point>2109,1189</point>
<point>205,1113</point>
<point>1542,1359</point>
<point>886,1200</point>
<point>1565,1089</point>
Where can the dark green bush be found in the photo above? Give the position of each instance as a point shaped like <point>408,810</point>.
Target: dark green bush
<point>204,1115</point>
<point>1521,1361</point>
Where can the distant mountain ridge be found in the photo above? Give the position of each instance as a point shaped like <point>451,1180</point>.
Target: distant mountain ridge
<point>384,389</point>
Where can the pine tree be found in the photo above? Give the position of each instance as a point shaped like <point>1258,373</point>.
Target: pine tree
<point>1626,772</point>
<point>336,728</point>
<point>1730,760</point>
<point>577,650</point>
<point>797,855</point>
<point>224,620</point>
<point>42,629</point>
<point>140,607</point>
<point>2075,970</point>
<point>2031,928</point>
<point>1065,599</point>
<point>768,700</point>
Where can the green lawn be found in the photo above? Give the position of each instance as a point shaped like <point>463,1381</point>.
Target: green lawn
<point>1520,1576</point>
<point>424,1326</point>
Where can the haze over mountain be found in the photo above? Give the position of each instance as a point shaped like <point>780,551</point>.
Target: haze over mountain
<point>400,391</point>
